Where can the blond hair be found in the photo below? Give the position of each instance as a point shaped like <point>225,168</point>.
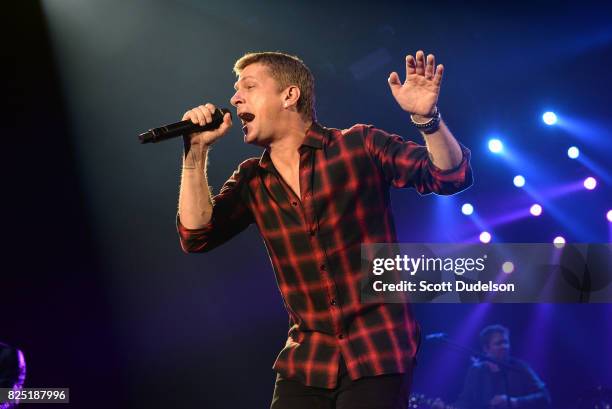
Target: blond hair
<point>286,70</point>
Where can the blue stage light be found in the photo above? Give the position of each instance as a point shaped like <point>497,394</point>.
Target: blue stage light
<point>519,181</point>
<point>549,118</point>
<point>573,152</point>
<point>495,145</point>
<point>609,216</point>
<point>467,209</point>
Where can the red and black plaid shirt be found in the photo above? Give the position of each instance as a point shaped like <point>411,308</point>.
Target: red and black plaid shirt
<point>314,243</point>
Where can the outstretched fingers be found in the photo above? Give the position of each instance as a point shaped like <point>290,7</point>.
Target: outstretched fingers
<point>410,65</point>
<point>394,80</point>
<point>420,63</point>
<point>430,66</point>
<point>438,76</point>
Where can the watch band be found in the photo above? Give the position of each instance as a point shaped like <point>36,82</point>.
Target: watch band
<point>430,126</point>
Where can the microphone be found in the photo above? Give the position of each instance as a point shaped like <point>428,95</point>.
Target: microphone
<point>182,128</point>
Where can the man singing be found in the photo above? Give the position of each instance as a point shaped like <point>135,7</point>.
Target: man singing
<point>316,194</point>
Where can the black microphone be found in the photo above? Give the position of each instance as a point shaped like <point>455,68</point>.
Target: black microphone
<point>182,128</point>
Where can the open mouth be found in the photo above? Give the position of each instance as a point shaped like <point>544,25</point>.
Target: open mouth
<point>245,118</point>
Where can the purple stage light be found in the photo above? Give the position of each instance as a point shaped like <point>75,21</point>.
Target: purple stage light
<point>508,267</point>
<point>485,237</point>
<point>535,210</point>
<point>559,241</point>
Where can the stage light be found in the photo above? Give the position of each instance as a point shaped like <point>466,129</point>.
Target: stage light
<point>495,145</point>
<point>609,215</point>
<point>559,241</point>
<point>508,267</point>
<point>485,237</point>
<point>573,152</point>
<point>549,118</point>
<point>590,183</point>
<point>535,210</point>
<point>467,209</point>
<point>519,181</point>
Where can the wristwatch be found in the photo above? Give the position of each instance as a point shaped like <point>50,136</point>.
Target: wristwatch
<point>430,126</point>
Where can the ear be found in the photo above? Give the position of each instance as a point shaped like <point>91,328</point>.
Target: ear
<point>291,96</point>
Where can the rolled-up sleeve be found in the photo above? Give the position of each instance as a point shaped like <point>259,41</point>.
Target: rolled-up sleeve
<point>231,214</point>
<point>408,164</point>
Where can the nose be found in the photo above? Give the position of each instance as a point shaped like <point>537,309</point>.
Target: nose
<point>236,99</point>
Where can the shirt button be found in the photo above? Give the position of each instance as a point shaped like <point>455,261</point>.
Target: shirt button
<point>323,267</point>
<point>341,336</point>
<point>333,301</point>
<point>313,232</point>
<point>294,203</point>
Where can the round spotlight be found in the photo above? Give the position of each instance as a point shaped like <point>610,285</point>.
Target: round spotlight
<point>590,183</point>
<point>573,152</point>
<point>559,241</point>
<point>467,209</point>
<point>609,215</point>
<point>549,118</point>
<point>535,210</point>
<point>495,145</point>
<point>519,181</point>
<point>485,237</point>
<point>508,267</point>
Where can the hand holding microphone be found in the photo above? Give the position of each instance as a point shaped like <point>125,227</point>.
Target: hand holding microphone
<point>203,124</point>
<point>219,123</point>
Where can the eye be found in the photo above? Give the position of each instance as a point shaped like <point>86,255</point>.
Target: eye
<point>250,86</point>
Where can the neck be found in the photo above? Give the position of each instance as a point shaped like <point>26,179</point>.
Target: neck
<point>285,148</point>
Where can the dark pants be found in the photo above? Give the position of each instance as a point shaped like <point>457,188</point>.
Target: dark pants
<point>373,392</point>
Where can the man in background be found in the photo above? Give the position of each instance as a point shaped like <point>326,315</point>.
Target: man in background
<point>499,380</point>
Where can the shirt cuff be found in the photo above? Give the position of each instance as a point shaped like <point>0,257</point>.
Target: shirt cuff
<point>456,174</point>
<point>186,233</point>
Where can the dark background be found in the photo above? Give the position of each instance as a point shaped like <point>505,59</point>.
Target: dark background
<point>95,289</point>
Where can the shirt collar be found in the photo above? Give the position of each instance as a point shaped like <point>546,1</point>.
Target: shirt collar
<point>314,139</point>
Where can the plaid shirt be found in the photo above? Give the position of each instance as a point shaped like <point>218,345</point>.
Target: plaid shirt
<point>314,243</point>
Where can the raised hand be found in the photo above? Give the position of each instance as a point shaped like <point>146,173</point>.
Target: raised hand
<point>419,93</point>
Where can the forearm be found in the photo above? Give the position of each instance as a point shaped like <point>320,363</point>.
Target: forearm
<point>444,150</point>
<point>195,203</point>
